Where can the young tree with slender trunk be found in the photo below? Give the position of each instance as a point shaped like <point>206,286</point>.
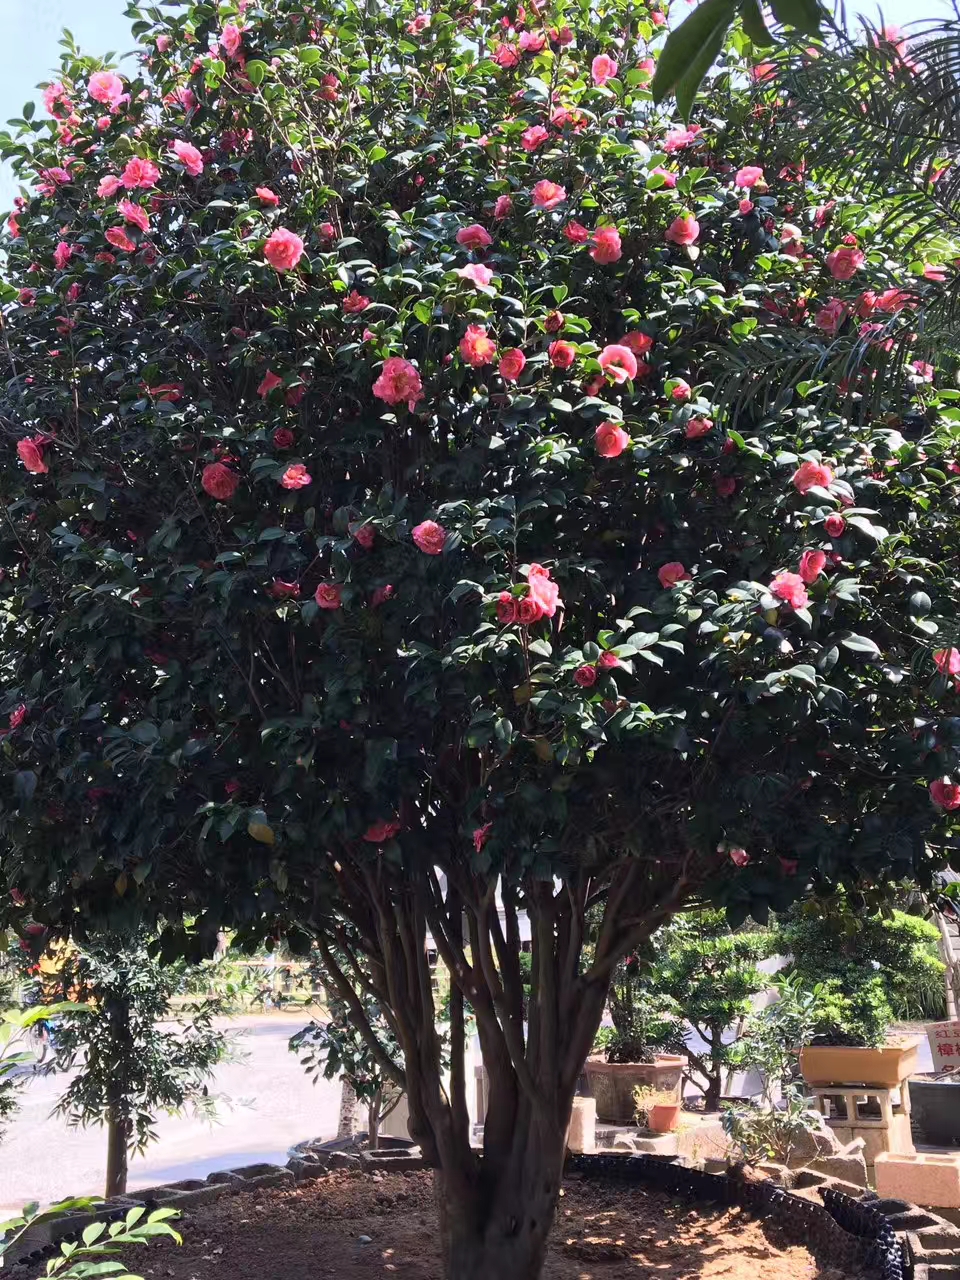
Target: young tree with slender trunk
<point>380,569</point>
<point>132,1053</point>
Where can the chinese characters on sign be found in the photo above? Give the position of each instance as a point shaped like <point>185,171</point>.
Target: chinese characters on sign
<point>944,1038</point>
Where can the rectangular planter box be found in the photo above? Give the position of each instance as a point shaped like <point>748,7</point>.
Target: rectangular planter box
<point>613,1083</point>
<point>884,1068</point>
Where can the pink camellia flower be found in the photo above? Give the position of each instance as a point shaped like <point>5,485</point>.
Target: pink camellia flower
<point>618,363</point>
<point>17,717</point>
<point>789,588</point>
<point>749,176</point>
<point>672,573</point>
<point>283,437</point>
<point>608,661</point>
<point>266,196</point>
<point>430,537</point>
<point>296,477</point>
<point>834,524</point>
<point>923,370</point>
<point>512,364</point>
<point>945,794</point>
<point>281,590</point>
<point>554,322</point>
<point>381,595</point>
<point>503,208</point>
<point>603,68</point>
<point>529,611</point>
<point>328,595</point>
<point>811,565</point>
<point>543,591</point>
<point>638,343</point>
<point>534,137</point>
<point>29,453</point>
<point>947,661</point>
<point>547,195</point>
<point>739,857</point>
<point>231,38</point>
<point>831,316</point>
<point>63,253</point>
<point>843,263</point>
<point>283,250</point>
<point>562,354</point>
<point>606,246</point>
<point>476,348</point>
<point>745,207</point>
<point>647,66</point>
<point>355,302</point>
<point>610,439</point>
<point>532,41</point>
<point>398,382</point>
<point>105,86</point>
<point>120,240</point>
<point>27,297</point>
<point>698,427</point>
<point>164,42</point>
<point>140,173</point>
<point>810,475</point>
<point>481,835</point>
<point>507,611</point>
<point>270,383</point>
<point>575,232</point>
<point>585,676</point>
<point>189,157</point>
<point>681,391</point>
<point>669,179</point>
<point>506,56</point>
<point>681,137</point>
<point>133,214</point>
<point>109,186</point>
<point>476,273</point>
<point>382,831</point>
<point>219,481</point>
<point>683,230</point>
<point>474,237</point>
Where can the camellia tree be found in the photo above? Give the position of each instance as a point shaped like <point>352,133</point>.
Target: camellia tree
<point>379,564</point>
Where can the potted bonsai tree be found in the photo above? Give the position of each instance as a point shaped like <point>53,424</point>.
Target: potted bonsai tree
<point>643,1048</point>
<point>868,971</point>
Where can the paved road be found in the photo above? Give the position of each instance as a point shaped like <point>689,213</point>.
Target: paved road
<point>273,1105</point>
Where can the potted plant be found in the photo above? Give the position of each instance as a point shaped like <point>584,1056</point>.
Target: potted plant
<point>643,1048</point>
<point>657,1110</point>
<point>850,1043</point>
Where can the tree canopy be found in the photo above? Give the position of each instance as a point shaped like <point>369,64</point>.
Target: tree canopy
<point>382,560</point>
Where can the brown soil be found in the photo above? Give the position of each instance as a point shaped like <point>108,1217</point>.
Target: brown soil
<point>603,1232</point>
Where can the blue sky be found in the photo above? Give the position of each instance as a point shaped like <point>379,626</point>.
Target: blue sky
<point>31,30</point>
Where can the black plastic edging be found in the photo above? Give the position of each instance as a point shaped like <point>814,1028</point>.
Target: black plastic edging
<point>855,1234</point>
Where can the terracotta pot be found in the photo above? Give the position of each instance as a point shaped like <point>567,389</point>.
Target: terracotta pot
<point>884,1068</point>
<point>613,1083</point>
<point>663,1117</point>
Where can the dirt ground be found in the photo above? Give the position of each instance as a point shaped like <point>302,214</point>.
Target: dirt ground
<point>358,1228</point>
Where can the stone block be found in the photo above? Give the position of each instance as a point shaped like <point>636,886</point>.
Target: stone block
<point>407,1161</point>
<point>701,1139</point>
<point>936,1271</point>
<point>263,1175</point>
<point>230,1180</point>
<point>934,1244</point>
<point>582,1134</point>
<point>306,1170</point>
<point>344,1160</point>
<point>778,1173</point>
<point>848,1168</point>
<point>924,1179</point>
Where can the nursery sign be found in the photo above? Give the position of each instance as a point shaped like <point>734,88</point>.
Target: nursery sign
<point>944,1038</point>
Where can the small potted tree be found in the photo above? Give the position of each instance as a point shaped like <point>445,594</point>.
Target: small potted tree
<point>643,1049</point>
<point>871,969</point>
<point>851,1044</point>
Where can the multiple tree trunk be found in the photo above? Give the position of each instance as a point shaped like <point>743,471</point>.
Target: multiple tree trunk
<point>496,1206</point>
